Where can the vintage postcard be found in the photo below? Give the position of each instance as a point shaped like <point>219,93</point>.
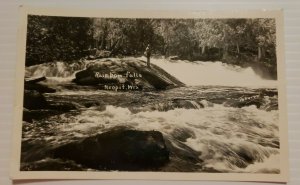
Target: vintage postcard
<point>150,95</point>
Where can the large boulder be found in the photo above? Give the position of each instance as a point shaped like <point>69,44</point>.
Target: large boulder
<point>155,80</point>
<point>34,100</point>
<point>39,87</point>
<point>37,107</point>
<point>118,149</point>
<point>33,84</point>
<point>33,80</point>
<point>88,77</point>
<point>51,165</point>
<point>30,115</point>
<point>35,112</point>
<point>125,73</point>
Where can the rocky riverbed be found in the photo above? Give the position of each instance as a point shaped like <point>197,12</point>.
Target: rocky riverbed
<point>164,126</point>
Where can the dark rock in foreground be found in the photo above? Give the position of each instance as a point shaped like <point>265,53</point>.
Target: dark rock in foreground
<point>34,100</point>
<point>62,106</point>
<point>49,164</point>
<point>29,115</point>
<point>34,80</point>
<point>125,74</point>
<point>35,104</point>
<point>32,84</point>
<point>119,149</point>
<point>48,110</point>
<point>39,87</point>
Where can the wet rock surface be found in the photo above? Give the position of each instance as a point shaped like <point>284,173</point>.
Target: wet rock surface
<point>118,149</point>
<point>34,100</point>
<point>125,74</point>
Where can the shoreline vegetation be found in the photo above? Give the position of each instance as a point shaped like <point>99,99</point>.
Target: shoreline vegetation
<point>242,42</point>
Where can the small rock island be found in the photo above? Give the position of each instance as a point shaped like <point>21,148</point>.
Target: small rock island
<point>125,74</point>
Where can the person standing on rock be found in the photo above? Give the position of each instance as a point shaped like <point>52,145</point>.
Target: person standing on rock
<point>148,54</point>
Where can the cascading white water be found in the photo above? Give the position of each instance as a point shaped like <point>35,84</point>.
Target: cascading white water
<point>225,136</point>
<point>190,73</point>
<point>212,73</point>
<point>222,140</point>
<point>56,72</point>
<point>55,69</point>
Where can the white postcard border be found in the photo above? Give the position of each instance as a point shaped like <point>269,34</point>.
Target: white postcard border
<point>18,107</point>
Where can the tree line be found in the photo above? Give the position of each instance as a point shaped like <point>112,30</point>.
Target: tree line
<point>237,41</point>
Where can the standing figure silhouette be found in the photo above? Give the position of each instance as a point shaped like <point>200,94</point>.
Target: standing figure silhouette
<point>148,54</point>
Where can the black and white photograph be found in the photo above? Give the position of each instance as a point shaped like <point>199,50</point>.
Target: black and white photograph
<point>135,94</point>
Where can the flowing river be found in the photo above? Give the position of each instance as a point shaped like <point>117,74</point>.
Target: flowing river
<point>228,119</point>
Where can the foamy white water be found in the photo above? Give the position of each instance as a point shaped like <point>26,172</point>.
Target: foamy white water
<point>224,133</point>
<point>190,73</point>
<point>222,138</point>
<point>212,73</point>
<point>55,69</point>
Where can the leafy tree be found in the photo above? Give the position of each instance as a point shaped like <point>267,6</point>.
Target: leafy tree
<point>56,38</point>
<point>239,41</point>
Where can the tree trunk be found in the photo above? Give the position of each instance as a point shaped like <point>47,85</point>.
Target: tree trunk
<point>114,47</point>
<point>238,48</point>
<point>166,53</point>
<point>103,39</point>
<point>225,51</point>
<point>263,52</point>
<point>102,43</point>
<point>96,43</point>
<point>203,50</point>
<point>259,53</point>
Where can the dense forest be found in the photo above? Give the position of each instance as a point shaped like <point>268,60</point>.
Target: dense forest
<point>244,42</point>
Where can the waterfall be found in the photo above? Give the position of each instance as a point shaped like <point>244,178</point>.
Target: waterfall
<point>55,69</point>
<point>190,73</point>
<point>212,73</point>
